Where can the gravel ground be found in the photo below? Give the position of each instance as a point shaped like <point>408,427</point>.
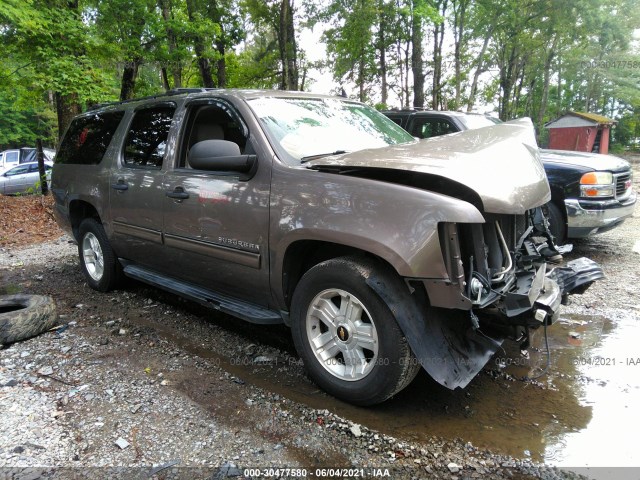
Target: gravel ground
<point>138,383</point>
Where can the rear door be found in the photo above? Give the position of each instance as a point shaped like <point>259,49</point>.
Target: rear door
<point>136,193</point>
<point>216,223</point>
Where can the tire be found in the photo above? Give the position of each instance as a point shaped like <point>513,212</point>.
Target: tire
<point>25,316</point>
<point>347,335</point>
<point>99,263</point>
<point>557,225</point>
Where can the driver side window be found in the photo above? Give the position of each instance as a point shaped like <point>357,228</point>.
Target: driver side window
<point>18,170</point>
<point>212,122</point>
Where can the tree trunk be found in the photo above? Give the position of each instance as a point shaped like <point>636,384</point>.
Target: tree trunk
<point>517,94</point>
<point>438,39</point>
<point>545,86</point>
<point>478,72</point>
<point>287,46</point>
<point>172,41</point>
<point>417,67</point>
<point>165,78</point>
<point>382,48</point>
<point>459,24</point>
<point>129,75</point>
<point>204,64</point>
<point>406,79</point>
<point>67,107</point>
<point>221,64</point>
<point>43,175</point>
<point>506,83</point>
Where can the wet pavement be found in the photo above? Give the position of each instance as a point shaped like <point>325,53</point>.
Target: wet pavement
<point>583,412</point>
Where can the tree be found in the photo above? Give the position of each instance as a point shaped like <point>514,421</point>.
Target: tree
<point>50,38</point>
<point>277,16</point>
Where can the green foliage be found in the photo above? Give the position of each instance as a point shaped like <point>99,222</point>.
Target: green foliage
<point>536,58</point>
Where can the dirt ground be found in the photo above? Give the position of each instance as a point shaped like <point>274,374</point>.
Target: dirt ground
<point>27,219</point>
<point>141,383</point>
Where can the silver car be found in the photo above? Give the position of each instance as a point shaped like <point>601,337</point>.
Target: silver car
<point>23,178</point>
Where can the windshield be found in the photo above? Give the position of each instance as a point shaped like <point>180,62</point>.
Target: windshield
<point>303,128</point>
<point>478,121</point>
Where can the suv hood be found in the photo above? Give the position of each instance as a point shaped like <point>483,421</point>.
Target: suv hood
<point>595,161</point>
<point>501,163</point>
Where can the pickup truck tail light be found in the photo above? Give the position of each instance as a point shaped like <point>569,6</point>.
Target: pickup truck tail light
<point>597,184</point>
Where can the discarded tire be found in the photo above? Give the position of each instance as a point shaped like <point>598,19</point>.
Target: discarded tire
<point>25,316</point>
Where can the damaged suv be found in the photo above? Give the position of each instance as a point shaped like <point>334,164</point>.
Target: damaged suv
<point>383,254</point>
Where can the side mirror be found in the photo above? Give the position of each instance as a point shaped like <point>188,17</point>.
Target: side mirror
<point>220,156</point>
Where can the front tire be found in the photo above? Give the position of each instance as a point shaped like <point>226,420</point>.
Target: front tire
<point>557,225</point>
<point>99,263</point>
<point>347,335</point>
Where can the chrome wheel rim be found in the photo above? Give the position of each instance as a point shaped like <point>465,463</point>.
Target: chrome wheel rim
<point>342,335</point>
<point>93,256</point>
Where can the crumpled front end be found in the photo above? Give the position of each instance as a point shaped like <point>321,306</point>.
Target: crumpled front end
<point>505,275</point>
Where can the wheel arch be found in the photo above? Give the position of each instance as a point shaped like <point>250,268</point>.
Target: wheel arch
<point>302,255</point>
<point>79,210</point>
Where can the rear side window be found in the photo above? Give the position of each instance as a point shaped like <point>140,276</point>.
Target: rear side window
<point>147,138</point>
<point>88,137</point>
<point>428,128</point>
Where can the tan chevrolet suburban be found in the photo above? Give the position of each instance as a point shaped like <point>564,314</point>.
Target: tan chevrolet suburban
<point>384,254</point>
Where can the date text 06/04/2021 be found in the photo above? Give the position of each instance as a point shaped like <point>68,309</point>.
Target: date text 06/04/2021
<point>598,361</point>
<point>315,472</point>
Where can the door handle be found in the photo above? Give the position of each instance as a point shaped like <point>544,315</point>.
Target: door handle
<point>121,185</point>
<point>178,193</point>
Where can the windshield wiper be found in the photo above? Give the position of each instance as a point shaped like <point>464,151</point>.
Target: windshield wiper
<point>320,155</point>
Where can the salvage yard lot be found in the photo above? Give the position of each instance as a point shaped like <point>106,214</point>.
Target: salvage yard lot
<point>180,386</point>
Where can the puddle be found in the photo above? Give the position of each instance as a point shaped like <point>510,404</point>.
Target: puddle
<point>608,384</point>
<point>587,415</point>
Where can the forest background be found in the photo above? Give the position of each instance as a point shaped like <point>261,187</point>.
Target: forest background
<point>510,58</point>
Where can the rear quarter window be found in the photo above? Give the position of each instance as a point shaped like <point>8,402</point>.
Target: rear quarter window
<point>88,138</point>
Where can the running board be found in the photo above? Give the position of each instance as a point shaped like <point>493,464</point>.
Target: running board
<point>217,301</point>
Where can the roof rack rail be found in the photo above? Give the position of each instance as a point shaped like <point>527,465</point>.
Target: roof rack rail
<point>168,93</point>
<point>178,91</point>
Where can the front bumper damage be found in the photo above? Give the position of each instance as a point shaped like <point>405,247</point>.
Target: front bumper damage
<point>504,281</point>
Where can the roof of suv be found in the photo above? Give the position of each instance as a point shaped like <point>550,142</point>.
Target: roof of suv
<point>245,94</point>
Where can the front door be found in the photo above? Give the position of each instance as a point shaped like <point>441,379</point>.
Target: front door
<point>216,223</point>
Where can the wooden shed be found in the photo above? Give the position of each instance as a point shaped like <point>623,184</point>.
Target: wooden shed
<point>582,132</point>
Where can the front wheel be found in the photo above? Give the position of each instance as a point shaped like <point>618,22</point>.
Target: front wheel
<point>347,335</point>
<point>99,263</point>
<point>557,225</point>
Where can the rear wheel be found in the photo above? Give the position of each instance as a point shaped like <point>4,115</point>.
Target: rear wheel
<point>347,335</point>
<point>98,261</point>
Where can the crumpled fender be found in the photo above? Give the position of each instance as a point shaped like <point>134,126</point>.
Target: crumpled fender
<point>443,341</point>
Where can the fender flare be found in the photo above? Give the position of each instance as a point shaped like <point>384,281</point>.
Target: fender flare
<point>443,341</point>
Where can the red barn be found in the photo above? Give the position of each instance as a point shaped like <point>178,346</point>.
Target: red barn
<point>582,132</point>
